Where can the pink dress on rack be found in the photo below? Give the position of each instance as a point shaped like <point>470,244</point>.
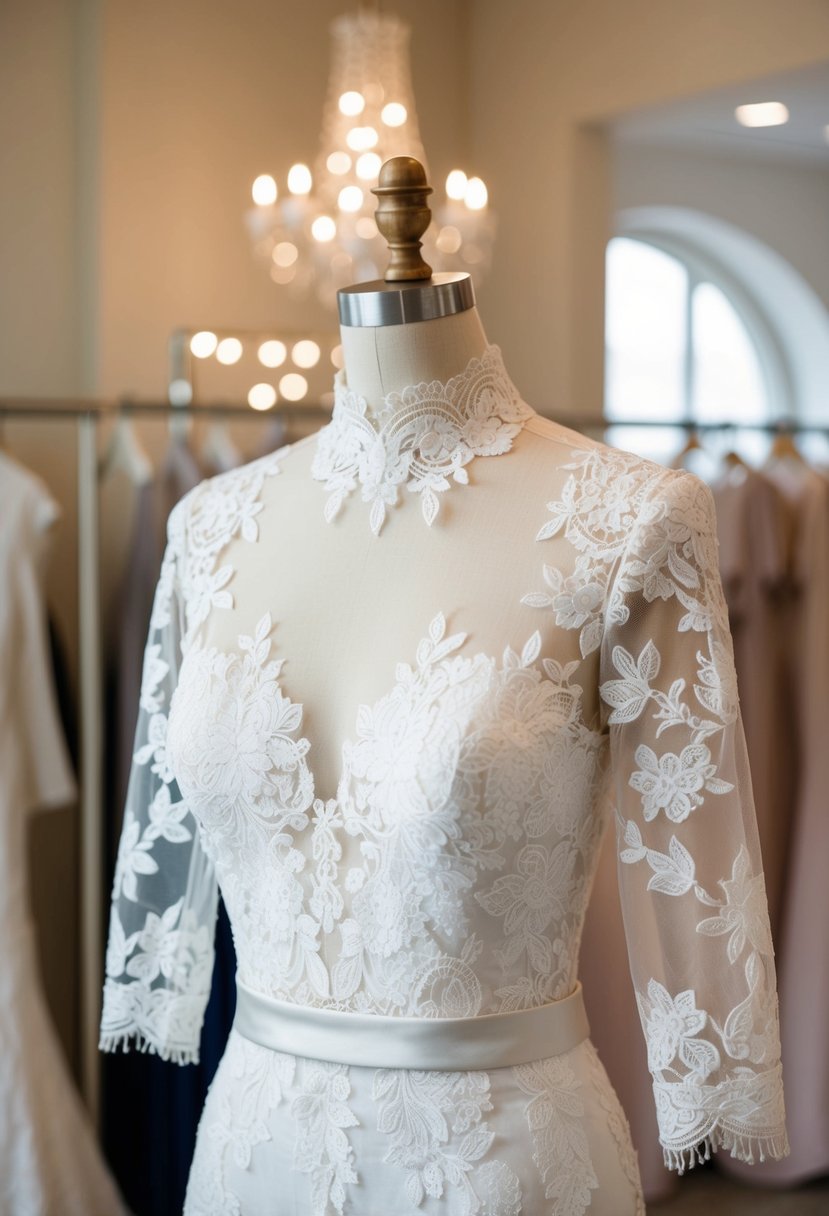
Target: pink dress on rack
<point>802,958</point>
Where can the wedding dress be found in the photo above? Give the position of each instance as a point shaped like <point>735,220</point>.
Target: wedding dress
<point>50,1164</point>
<point>393,694</point>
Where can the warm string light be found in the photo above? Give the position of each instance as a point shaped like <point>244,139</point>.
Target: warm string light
<point>317,230</point>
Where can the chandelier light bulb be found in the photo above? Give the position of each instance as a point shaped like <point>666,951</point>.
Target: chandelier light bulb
<point>360,139</point>
<point>264,191</point>
<point>272,353</point>
<point>299,179</point>
<point>320,234</point>
<point>368,166</point>
<point>350,198</point>
<point>203,344</point>
<point>476,194</point>
<point>293,387</point>
<point>285,253</point>
<point>305,353</point>
<point>456,184</point>
<point>262,397</point>
<point>180,392</point>
<point>762,114</point>
<point>352,103</point>
<point>394,114</point>
<point>338,163</point>
<point>449,239</point>
<point>229,351</point>
<point>337,357</point>
<point>323,229</point>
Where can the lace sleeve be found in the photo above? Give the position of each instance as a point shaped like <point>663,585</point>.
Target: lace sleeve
<point>159,959</point>
<point>690,875</point>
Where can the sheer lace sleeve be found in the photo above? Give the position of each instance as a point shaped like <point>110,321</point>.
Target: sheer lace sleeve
<point>159,959</point>
<point>690,874</point>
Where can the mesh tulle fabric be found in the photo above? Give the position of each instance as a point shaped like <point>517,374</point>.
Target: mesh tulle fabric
<point>165,896</point>
<point>690,870</point>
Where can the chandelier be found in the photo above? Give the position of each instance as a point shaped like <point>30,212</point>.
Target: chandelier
<point>317,231</point>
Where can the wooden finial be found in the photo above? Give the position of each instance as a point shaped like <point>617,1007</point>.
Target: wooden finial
<point>403,216</point>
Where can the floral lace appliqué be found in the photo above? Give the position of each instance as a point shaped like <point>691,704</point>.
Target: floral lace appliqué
<point>423,436</point>
<point>555,1115</point>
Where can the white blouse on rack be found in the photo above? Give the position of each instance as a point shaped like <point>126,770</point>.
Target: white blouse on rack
<point>450,874</point>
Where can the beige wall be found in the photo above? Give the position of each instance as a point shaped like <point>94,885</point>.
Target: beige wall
<point>784,205</point>
<point>541,74</point>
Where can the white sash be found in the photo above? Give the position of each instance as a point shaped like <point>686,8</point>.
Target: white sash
<point>491,1040</point>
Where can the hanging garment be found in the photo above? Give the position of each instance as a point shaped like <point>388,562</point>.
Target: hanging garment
<point>803,964</point>
<point>151,1111</point>
<point>49,1160</point>
<point>753,526</point>
<point>409,1034</point>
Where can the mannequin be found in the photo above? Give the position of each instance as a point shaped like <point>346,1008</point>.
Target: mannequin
<point>414,644</point>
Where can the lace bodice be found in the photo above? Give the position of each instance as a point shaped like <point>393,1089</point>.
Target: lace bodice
<point>450,872</point>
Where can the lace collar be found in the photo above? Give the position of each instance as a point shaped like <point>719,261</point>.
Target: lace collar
<point>422,437</point>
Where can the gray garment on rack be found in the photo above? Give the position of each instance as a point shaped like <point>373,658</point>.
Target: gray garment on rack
<point>178,474</point>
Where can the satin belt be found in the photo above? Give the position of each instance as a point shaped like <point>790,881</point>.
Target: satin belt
<point>491,1040</point>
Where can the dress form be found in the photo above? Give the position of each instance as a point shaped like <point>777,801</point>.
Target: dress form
<point>397,675</point>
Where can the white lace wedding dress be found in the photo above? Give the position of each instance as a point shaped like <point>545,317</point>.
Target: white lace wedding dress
<point>568,664</point>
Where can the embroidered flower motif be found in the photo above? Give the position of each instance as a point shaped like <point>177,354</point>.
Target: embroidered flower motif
<point>153,672</point>
<point>133,858</point>
<point>717,689</point>
<point>234,735</point>
<point>435,1126</point>
<point>745,913</point>
<point>499,1189</point>
<point>155,748</point>
<point>448,987</point>
<point>672,1024</point>
<point>529,899</point>
<point>266,1075</point>
<point>673,783</point>
<point>322,1149</point>
<point>555,1117</point>
<point>422,437</point>
<point>173,946</point>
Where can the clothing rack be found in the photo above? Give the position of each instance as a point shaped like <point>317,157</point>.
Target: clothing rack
<point>88,414</point>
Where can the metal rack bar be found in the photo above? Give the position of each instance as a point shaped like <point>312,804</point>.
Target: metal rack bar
<point>71,408</point>
<point>28,409</point>
<point>596,422</point>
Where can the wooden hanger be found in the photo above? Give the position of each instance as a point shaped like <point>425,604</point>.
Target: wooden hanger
<point>784,447</point>
<point>218,451</point>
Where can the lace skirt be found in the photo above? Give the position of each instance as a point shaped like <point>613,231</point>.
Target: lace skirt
<point>285,1135</point>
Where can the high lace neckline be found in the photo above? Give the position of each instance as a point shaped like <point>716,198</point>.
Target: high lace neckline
<point>422,437</point>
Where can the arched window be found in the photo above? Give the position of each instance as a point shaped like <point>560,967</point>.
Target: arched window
<point>681,347</point>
